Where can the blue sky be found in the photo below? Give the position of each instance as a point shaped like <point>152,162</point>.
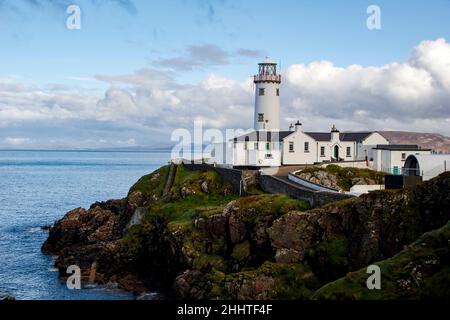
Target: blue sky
<point>188,41</point>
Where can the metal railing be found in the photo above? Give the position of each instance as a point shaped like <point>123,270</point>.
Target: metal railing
<point>267,77</point>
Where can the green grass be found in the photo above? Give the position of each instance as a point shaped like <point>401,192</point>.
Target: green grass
<point>205,261</point>
<point>241,251</point>
<point>268,205</point>
<point>181,212</point>
<point>192,180</point>
<point>152,183</point>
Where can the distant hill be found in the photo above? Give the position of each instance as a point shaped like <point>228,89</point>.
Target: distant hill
<point>434,141</point>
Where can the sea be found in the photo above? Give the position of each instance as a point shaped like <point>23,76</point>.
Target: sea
<point>39,187</point>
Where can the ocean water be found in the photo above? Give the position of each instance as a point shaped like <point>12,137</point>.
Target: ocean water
<point>39,187</point>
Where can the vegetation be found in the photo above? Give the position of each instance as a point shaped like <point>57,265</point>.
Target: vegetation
<point>346,177</point>
<point>420,271</point>
<point>152,183</point>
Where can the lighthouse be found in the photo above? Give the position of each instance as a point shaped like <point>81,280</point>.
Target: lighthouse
<point>267,97</point>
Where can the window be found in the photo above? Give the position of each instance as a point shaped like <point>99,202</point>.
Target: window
<point>306,146</point>
<point>291,146</point>
<point>322,151</point>
<point>278,91</point>
<point>349,152</point>
<point>267,146</point>
<point>403,156</point>
<point>260,117</point>
<point>268,156</point>
<point>261,91</point>
<point>256,146</point>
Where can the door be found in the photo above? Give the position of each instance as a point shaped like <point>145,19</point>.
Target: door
<point>336,152</point>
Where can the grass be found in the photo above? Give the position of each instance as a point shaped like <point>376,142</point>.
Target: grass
<point>241,251</point>
<point>152,183</point>
<point>268,205</point>
<point>183,211</point>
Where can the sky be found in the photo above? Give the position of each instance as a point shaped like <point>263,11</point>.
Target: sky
<point>138,70</point>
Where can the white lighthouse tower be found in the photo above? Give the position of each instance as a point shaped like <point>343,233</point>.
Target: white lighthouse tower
<point>267,97</point>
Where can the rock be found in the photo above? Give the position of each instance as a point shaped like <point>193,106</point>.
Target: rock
<point>237,229</point>
<point>204,186</point>
<point>6,297</point>
<point>137,216</point>
<point>136,199</point>
<point>192,285</point>
<point>186,192</point>
<point>250,178</point>
<point>292,235</point>
<point>284,255</point>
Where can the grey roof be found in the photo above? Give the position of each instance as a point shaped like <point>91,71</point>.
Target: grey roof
<point>400,147</point>
<point>318,136</point>
<point>343,136</point>
<point>354,136</point>
<point>264,136</point>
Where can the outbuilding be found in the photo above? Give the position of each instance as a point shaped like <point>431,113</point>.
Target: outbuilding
<point>391,158</point>
<point>426,166</point>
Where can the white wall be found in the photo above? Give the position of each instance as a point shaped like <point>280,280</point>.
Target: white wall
<point>387,160</point>
<point>299,156</point>
<point>256,157</point>
<point>269,105</point>
<point>368,144</point>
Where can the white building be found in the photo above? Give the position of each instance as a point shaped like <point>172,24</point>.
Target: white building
<point>427,166</point>
<point>391,158</point>
<point>262,148</point>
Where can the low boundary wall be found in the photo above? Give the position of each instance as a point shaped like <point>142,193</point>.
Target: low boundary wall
<point>273,185</point>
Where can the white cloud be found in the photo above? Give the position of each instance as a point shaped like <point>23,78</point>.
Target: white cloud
<point>402,94</point>
<point>411,95</point>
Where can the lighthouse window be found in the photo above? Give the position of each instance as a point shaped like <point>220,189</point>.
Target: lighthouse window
<point>278,91</point>
<point>261,91</point>
<point>306,146</point>
<point>260,117</point>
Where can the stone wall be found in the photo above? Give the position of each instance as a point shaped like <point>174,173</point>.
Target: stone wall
<point>241,180</point>
<point>273,184</point>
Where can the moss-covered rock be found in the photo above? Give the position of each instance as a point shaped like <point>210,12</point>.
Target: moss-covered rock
<point>195,239</point>
<point>337,177</point>
<point>420,271</point>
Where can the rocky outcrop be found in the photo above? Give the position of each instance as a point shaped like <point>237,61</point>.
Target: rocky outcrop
<point>6,297</point>
<point>206,244</point>
<point>335,177</point>
<point>419,271</point>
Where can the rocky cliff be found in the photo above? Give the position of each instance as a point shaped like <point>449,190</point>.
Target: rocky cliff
<point>188,234</point>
